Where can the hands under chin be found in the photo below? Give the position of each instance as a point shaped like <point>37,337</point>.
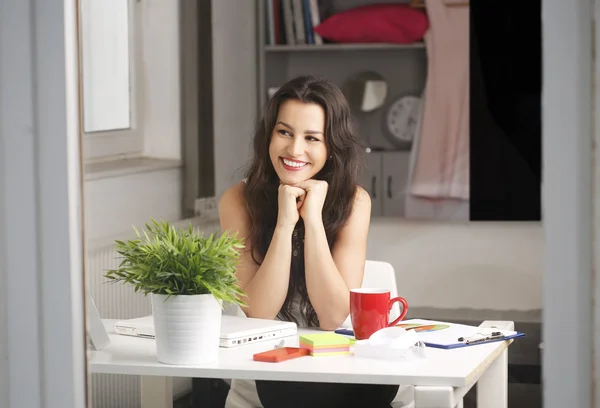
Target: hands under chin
<point>304,199</point>
<point>311,209</point>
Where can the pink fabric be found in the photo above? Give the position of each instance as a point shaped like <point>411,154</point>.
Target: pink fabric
<point>442,162</point>
<point>447,209</point>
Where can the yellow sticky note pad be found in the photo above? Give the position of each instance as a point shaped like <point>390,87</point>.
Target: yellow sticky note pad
<point>325,344</point>
<point>328,353</point>
<point>324,340</point>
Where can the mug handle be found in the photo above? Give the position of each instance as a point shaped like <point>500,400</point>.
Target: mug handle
<point>404,309</point>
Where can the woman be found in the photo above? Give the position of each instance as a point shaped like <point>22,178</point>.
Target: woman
<point>305,221</point>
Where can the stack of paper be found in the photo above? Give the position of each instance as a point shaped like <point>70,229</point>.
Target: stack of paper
<point>325,344</point>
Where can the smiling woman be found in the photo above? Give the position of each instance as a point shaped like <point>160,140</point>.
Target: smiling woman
<point>297,149</point>
<point>305,221</point>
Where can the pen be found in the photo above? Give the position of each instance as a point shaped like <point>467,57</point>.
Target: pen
<point>345,332</point>
<point>493,336</point>
<point>348,332</point>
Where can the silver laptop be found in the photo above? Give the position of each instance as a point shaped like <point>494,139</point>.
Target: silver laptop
<point>235,330</point>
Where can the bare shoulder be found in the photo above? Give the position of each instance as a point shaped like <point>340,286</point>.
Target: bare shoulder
<point>362,195</point>
<point>232,208</point>
<point>362,201</point>
<point>233,197</point>
<point>358,223</point>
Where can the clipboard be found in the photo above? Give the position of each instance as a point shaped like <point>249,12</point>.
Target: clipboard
<point>444,335</point>
<point>476,341</point>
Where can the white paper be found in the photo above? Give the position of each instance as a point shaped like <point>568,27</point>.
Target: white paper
<point>391,343</point>
<point>445,336</point>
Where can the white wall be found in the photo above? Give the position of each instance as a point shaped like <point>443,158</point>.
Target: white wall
<point>114,204</point>
<point>474,265</point>
<point>234,87</point>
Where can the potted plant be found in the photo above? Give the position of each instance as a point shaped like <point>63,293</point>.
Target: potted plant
<point>188,277</point>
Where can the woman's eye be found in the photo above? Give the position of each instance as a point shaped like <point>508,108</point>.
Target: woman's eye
<point>312,139</point>
<point>283,132</point>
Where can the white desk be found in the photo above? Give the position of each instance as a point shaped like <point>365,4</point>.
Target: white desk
<point>440,381</point>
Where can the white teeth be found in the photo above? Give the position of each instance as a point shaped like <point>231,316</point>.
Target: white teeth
<point>293,163</point>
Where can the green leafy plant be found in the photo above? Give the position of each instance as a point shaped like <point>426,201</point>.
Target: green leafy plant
<point>169,261</point>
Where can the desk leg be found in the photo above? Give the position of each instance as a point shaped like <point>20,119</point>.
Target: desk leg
<point>438,397</point>
<point>157,392</point>
<point>492,387</point>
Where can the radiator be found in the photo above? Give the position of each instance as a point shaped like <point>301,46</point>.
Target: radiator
<point>118,301</point>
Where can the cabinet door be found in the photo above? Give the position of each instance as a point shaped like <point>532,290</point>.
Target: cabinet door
<point>395,177</point>
<point>371,182</point>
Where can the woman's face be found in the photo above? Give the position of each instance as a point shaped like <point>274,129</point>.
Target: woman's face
<point>297,148</point>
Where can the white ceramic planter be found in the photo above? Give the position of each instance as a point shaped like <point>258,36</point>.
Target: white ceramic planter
<point>187,328</point>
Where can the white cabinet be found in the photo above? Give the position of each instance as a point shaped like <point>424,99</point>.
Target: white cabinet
<point>371,181</point>
<point>385,179</point>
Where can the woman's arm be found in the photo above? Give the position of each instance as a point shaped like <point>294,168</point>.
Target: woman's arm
<point>331,274</point>
<point>265,286</point>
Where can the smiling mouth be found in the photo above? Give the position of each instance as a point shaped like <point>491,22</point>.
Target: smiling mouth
<point>293,164</point>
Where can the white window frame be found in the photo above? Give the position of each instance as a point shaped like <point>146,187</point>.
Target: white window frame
<point>126,142</point>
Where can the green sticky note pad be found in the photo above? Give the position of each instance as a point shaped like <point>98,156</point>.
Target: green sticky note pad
<point>324,339</point>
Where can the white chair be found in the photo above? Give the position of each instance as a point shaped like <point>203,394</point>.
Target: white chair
<point>381,275</point>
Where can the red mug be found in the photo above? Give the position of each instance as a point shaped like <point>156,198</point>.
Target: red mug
<point>370,311</point>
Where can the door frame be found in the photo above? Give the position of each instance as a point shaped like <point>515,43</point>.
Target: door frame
<point>41,254</point>
<point>568,127</point>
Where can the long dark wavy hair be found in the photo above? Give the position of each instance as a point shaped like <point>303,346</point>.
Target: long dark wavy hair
<point>341,172</point>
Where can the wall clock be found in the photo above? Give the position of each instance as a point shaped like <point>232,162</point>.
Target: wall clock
<point>400,121</point>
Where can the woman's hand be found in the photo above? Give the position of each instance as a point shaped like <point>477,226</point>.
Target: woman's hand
<point>290,199</point>
<point>316,192</point>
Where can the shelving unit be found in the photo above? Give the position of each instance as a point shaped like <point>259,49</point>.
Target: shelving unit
<point>341,47</point>
<point>404,67</point>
